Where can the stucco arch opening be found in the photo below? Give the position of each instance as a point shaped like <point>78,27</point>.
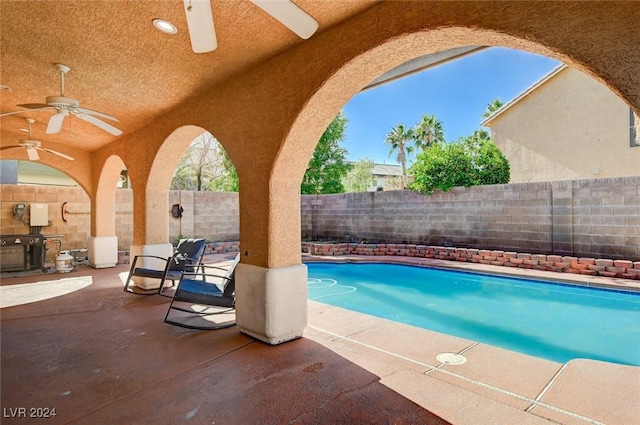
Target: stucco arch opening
<point>344,76</point>
<point>347,78</point>
<point>357,72</point>
<point>151,194</point>
<point>33,186</point>
<point>151,211</point>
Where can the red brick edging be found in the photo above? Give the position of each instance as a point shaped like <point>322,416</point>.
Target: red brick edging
<point>222,247</point>
<point>557,263</point>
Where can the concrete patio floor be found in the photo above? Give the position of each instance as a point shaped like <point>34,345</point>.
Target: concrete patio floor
<point>99,355</point>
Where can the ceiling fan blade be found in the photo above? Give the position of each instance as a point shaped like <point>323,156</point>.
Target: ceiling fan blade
<point>289,15</point>
<point>32,153</point>
<point>60,154</point>
<point>9,147</point>
<point>200,23</point>
<point>96,113</point>
<point>101,124</point>
<point>35,105</point>
<point>55,122</point>
<point>44,108</point>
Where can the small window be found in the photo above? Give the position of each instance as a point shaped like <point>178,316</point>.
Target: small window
<point>634,129</point>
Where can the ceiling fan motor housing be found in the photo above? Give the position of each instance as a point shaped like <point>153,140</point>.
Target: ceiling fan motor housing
<point>29,143</point>
<point>62,102</point>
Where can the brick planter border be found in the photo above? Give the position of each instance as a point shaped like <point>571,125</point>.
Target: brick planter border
<point>222,247</point>
<point>564,264</point>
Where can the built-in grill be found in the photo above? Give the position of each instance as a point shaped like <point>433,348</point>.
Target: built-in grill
<point>21,252</point>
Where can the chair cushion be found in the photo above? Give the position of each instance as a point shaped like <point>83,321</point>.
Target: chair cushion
<point>204,293</point>
<point>155,274</point>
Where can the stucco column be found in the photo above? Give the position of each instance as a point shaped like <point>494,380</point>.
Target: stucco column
<point>271,288</point>
<point>151,213</point>
<point>103,242</point>
<point>103,251</point>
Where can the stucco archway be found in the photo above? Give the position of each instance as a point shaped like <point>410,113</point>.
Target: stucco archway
<point>600,40</point>
<point>269,118</point>
<point>151,199</point>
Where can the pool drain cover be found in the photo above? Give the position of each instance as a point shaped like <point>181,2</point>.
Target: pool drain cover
<point>451,358</point>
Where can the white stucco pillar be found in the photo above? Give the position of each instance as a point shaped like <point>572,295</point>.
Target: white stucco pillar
<point>163,250</point>
<point>103,251</point>
<point>271,303</point>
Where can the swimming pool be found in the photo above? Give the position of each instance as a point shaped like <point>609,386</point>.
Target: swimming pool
<point>550,320</point>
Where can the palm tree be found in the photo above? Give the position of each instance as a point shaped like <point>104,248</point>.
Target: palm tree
<point>399,139</point>
<point>428,131</point>
<point>492,107</point>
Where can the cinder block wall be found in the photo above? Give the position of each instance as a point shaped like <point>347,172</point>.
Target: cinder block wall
<point>214,216</point>
<point>73,233</point>
<point>594,218</point>
<point>488,216</point>
<point>591,218</point>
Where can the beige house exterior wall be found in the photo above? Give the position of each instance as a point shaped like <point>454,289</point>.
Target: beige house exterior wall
<point>570,127</point>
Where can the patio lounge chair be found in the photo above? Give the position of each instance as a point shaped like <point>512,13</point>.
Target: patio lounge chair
<point>204,299</point>
<point>187,257</point>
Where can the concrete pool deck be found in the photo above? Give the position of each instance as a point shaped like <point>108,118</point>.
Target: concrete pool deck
<point>99,355</point>
<point>494,386</point>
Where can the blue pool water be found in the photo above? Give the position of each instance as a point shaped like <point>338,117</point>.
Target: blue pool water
<point>548,320</point>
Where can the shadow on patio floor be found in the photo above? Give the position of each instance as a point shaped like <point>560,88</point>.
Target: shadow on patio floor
<point>99,355</point>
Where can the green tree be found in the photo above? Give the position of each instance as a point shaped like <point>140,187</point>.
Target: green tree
<point>470,161</point>
<point>229,181</point>
<point>428,131</point>
<point>204,166</point>
<point>400,139</point>
<point>492,107</point>
<point>491,166</point>
<point>443,166</point>
<point>328,165</point>
<point>359,177</point>
<point>199,165</point>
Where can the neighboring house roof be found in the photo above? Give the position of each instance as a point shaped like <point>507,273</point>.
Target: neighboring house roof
<point>487,121</point>
<point>423,63</point>
<point>386,170</point>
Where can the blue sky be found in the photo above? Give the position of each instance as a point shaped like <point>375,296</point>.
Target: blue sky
<point>457,93</point>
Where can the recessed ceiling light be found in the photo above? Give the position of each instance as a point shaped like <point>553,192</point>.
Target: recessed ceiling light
<point>165,26</point>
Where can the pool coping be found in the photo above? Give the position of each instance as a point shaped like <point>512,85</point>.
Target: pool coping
<point>496,385</point>
<point>569,278</point>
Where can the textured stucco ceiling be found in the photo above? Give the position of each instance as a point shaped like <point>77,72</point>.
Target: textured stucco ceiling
<point>121,65</point>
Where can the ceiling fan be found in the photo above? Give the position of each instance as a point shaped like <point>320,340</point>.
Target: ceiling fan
<point>202,32</point>
<point>65,106</point>
<point>33,146</point>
